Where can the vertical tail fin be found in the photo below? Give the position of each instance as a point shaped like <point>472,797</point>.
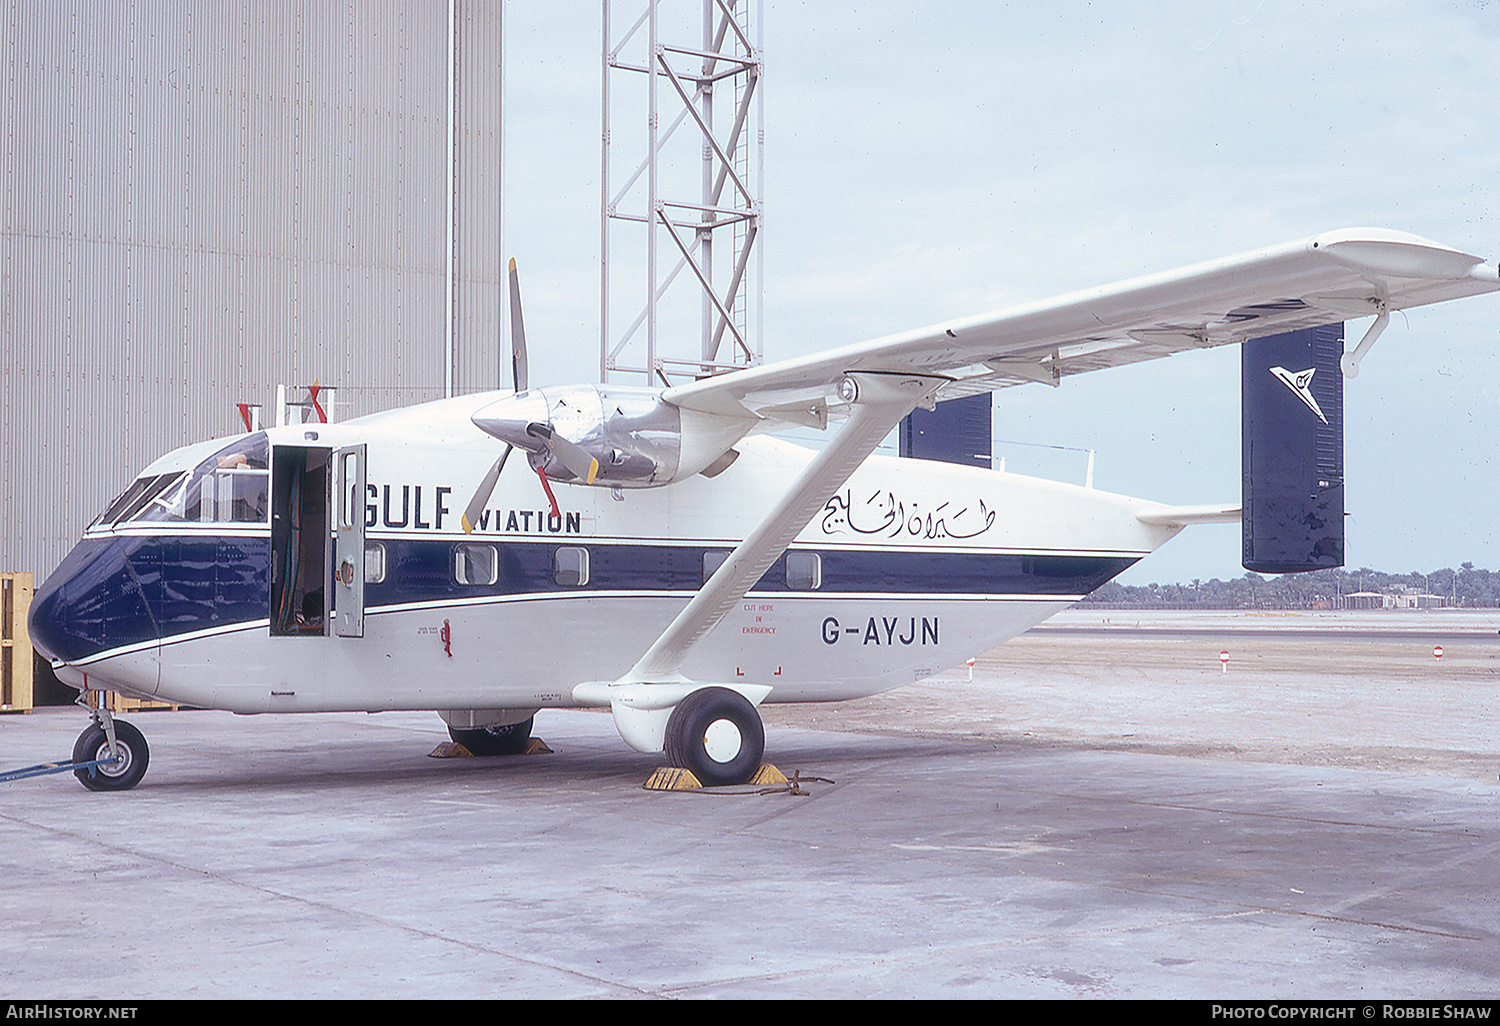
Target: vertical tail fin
<point>957,431</point>
<point>1292,407</point>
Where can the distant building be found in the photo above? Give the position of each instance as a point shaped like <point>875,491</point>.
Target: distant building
<point>204,201</point>
<point>1379,600</point>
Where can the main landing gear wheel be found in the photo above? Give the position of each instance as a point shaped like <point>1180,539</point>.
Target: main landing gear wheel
<point>120,775</point>
<point>511,739</point>
<point>717,735</point>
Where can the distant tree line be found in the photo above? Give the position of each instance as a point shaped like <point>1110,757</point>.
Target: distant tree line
<point>1468,586</point>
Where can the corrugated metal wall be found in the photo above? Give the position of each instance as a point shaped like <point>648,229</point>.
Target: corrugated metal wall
<point>203,201</point>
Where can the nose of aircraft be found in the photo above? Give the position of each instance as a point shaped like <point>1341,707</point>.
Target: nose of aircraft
<point>93,602</point>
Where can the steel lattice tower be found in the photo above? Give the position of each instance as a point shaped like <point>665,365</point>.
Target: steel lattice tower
<point>684,193</point>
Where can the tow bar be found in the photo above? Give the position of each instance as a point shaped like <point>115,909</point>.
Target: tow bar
<point>43,768</point>
<point>114,755</point>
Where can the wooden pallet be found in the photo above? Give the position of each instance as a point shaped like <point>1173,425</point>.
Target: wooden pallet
<point>118,703</point>
<point>15,642</point>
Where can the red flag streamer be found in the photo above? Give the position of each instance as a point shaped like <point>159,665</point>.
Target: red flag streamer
<point>245,415</point>
<point>312,393</point>
<point>548,489</point>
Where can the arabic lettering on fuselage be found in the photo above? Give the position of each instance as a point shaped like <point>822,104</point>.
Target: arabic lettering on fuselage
<point>884,514</point>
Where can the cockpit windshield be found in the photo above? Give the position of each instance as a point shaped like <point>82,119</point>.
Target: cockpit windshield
<point>231,486</point>
<point>141,491</point>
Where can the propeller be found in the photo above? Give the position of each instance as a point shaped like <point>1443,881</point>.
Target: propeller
<point>517,332</point>
<point>518,376</point>
<point>486,489</point>
<point>548,442</point>
<point>569,454</point>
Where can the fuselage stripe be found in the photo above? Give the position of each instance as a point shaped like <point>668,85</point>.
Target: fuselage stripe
<point>128,593</point>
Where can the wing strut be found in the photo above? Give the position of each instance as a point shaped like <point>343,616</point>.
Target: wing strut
<point>881,400</point>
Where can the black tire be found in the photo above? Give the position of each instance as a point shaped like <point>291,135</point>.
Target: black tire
<point>511,739</point>
<point>93,744</point>
<point>717,734</point>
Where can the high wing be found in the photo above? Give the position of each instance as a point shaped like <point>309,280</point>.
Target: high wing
<point>1336,276</point>
<point>1331,277</point>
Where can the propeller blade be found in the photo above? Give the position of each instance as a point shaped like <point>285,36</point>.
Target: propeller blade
<point>485,490</point>
<point>583,466</point>
<point>569,454</point>
<point>517,332</point>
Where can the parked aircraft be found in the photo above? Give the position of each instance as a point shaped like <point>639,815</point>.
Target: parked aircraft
<point>659,552</point>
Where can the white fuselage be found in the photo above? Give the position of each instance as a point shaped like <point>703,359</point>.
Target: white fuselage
<point>913,566</point>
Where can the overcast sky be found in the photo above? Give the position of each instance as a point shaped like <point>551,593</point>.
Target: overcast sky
<point>934,160</point>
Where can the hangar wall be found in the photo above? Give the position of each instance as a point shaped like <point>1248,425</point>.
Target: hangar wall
<point>203,201</point>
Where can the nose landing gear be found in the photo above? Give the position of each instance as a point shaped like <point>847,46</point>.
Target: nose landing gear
<point>117,751</point>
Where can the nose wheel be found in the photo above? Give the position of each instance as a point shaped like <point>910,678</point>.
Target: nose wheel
<point>122,768</point>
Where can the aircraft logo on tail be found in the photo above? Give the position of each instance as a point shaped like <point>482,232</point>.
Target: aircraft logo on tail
<point>1300,382</point>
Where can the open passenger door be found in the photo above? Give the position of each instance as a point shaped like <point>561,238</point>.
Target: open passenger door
<point>349,543</point>
<point>300,568</point>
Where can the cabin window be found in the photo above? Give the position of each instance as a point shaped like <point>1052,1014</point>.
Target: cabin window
<point>475,564</point>
<point>712,560</point>
<point>351,498</point>
<point>804,571</point>
<point>374,562</point>
<point>570,566</point>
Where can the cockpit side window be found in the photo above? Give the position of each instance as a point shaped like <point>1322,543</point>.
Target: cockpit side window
<point>231,486</point>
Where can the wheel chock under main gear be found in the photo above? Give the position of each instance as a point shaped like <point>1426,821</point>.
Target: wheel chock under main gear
<point>673,778</point>
<point>454,750</point>
<point>768,776</point>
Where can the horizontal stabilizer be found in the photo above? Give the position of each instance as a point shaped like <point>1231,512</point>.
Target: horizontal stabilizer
<point>1183,516</point>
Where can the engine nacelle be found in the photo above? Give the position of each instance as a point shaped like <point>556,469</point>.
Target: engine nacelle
<point>640,440</point>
